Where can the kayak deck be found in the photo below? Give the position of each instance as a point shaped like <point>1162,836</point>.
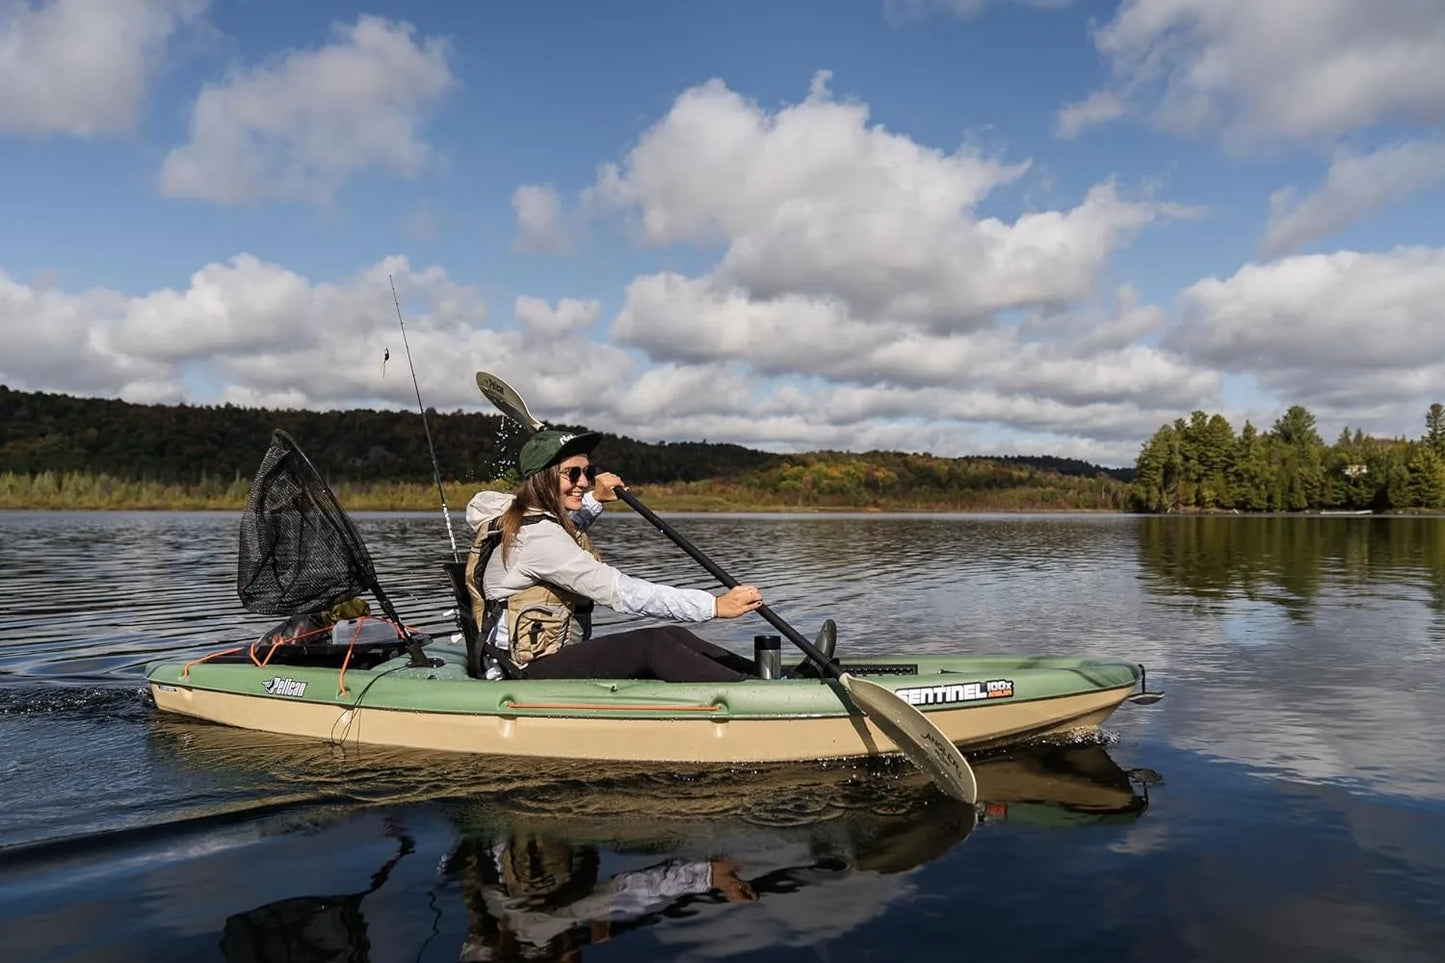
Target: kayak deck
<point>976,701</point>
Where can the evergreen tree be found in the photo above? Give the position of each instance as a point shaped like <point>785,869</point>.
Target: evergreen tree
<point>1296,427</point>
<point>1435,428</point>
<point>1251,472</point>
<point>1216,457</point>
<point>1396,493</point>
<point>1427,477</point>
<point>1301,469</point>
<point>1153,488</point>
<point>1185,460</point>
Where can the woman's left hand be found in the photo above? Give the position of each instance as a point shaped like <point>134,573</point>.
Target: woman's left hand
<point>605,485</point>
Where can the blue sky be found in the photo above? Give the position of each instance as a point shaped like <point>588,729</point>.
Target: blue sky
<point>960,226</point>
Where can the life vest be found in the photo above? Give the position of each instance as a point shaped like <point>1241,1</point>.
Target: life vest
<point>541,618</point>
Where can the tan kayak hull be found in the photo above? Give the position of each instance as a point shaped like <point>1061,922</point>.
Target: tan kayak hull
<point>701,739</point>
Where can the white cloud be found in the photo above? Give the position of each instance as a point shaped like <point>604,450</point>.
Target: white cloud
<point>1099,107</point>
<point>1345,334</point>
<point>1357,185</point>
<point>781,416</point>
<point>569,317</point>
<point>83,67</point>
<point>253,332</point>
<point>679,393</point>
<point>50,343</point>
<point>297,126</point>
<point>813,202</point>
<point>539,220</point>
<point>690,322</point>
<point>718,166</point>
<point>1260,72</point>
<point>1129,322</point>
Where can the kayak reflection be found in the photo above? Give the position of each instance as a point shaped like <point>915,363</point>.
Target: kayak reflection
<point>547,863</point>
<point>823,854</point>
<point>535,896</point>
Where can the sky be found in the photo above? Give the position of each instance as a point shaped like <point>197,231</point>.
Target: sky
<point>965,227</point>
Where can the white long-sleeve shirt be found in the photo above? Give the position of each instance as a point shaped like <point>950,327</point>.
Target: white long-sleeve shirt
<point>544,552</point>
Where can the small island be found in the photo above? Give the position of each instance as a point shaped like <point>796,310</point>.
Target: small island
<point>1200,465</point>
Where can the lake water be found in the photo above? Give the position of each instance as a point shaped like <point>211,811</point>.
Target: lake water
<point>1286,801</point>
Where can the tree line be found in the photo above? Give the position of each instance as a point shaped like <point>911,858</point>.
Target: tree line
<point>210,449</point>
<point>899,480</point>
<point>43,432</point>
<point>1200,464</point>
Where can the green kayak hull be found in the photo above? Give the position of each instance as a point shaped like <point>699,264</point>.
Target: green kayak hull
<point>977,701</point>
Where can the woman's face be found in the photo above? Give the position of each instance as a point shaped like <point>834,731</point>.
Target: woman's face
<point>572,476</point>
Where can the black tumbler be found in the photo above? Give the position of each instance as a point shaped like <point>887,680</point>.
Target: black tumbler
<point>768,653</point>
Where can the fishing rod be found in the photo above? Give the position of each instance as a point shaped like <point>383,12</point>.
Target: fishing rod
<point>436,469</point>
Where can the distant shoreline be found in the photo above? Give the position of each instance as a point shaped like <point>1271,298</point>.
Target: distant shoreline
<point>657,504</point>
<point>665,504</point>
<point>81,492</point>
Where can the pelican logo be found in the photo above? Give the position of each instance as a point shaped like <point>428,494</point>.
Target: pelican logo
<point>957,692</point>
<point>284,687</point>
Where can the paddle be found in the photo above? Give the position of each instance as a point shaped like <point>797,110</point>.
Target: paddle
<point>918,738</point>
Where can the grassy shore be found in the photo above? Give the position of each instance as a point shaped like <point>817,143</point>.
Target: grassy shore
<point>86,492</point>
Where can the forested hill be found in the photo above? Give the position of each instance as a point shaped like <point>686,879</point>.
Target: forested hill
<point>42,432</point>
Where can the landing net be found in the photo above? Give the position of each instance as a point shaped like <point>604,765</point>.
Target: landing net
<point>299,550</point>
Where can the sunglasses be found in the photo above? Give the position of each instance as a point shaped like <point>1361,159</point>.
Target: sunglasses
<point>577,471</point>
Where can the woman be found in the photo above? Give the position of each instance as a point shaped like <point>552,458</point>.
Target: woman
<point>543,576</point>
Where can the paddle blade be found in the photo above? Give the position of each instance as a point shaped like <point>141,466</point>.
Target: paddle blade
<point>915,736</point>
<point>507,401</point>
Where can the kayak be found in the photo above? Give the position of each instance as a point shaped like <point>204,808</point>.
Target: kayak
<point>379,682</point>
<point>976,702</point>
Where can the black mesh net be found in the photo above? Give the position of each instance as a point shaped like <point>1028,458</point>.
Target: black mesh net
<point>299,550</point>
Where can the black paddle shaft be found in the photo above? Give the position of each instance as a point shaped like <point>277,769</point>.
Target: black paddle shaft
<point>809,649</point>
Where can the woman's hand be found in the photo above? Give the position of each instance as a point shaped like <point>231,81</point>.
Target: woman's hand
<point>739,601</point>
<point>605,485</point>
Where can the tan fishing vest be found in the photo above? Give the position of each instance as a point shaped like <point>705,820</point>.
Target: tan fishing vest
<point>540,619</point>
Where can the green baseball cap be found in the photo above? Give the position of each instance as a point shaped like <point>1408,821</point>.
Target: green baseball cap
<point>549,447</point>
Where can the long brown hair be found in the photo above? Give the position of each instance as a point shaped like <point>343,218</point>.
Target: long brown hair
<point>541,492</point>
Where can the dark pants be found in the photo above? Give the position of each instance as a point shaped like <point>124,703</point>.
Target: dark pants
<point>667,652</point>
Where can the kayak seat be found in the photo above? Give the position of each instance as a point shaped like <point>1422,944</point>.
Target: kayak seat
<point>471,632</point>
<point>457,574</point>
